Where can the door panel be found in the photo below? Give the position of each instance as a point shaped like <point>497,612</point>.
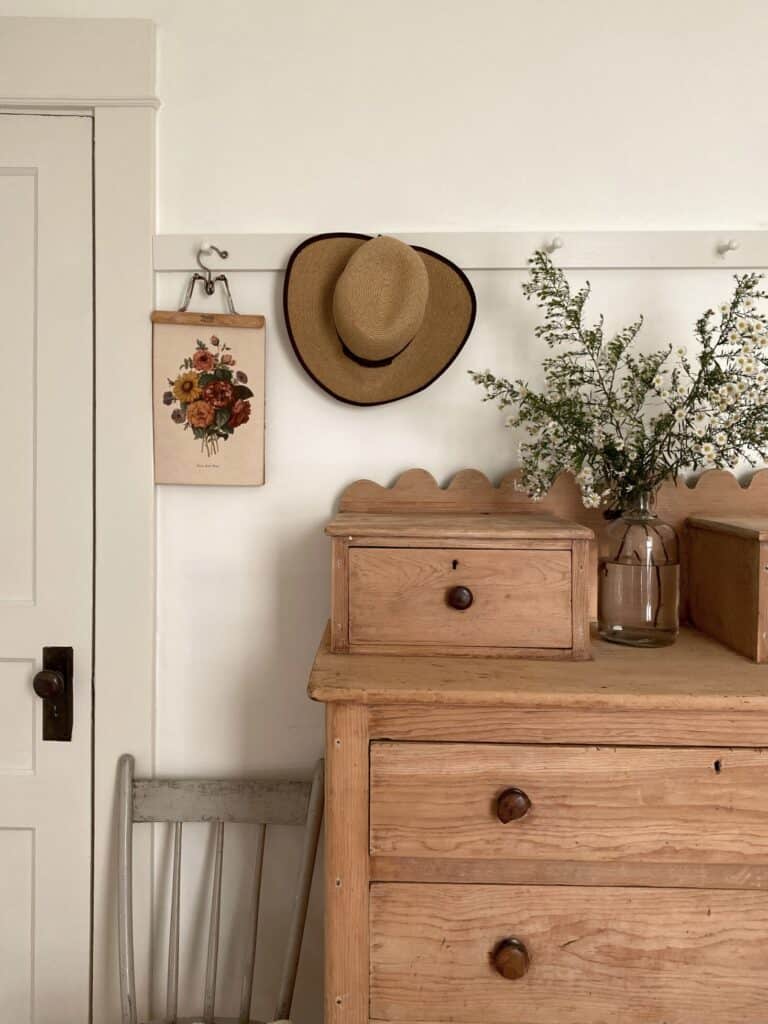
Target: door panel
<point>18,714</point>
<point>17,385</point>
<point>46,404</point>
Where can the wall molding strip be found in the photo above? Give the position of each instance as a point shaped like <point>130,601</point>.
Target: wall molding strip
<point>76,103</point>
<point>503,250</point>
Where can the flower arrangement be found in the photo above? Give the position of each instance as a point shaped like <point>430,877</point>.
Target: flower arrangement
<point>210,397</point>
<point>624,421</point>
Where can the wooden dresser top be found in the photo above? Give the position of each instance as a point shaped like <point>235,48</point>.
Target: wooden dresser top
<point>458,527</point>
<point>696,673</point>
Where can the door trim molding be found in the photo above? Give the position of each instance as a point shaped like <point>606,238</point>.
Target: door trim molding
<point>77,103</point>
<point>108,66</point>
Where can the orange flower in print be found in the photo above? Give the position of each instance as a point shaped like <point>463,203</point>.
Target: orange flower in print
<point>204,360</point>
<point>200,414</point>
<point>212,396</point>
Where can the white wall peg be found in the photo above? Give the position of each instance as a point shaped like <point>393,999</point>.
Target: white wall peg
<point>730,245</point>
<point>554,244</point>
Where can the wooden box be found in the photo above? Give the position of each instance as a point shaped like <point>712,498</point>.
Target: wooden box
<point>513,585</point>
<point>728,581</point>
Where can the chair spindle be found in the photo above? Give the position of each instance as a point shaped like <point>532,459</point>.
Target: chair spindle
<point>172,990</point>
<point>213,932</point>
<point>246,989</point>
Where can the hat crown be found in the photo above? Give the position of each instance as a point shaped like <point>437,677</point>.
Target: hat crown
<point>380,298</point>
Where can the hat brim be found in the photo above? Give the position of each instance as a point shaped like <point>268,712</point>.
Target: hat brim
<point>310,279</point>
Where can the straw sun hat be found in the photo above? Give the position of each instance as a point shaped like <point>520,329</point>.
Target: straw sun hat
<point>373,319</point>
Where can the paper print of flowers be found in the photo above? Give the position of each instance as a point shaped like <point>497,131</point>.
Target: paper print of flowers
<point>209,397</point>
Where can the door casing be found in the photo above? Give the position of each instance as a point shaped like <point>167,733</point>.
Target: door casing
<point>107,67</point>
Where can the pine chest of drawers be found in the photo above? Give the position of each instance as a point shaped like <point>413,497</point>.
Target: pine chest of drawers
<point>543,842</point>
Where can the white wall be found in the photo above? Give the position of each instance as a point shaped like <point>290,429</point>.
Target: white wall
<point>416,114</point>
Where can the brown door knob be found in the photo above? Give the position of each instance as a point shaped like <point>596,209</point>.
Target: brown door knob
<point>510,958</point>
<point>460,598</point>
<point>48,684</point>
<point>512,805</point>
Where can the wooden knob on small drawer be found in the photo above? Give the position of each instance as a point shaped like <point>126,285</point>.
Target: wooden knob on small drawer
<point>460,598</point>
<point>510,958</point>
<point>512,805</point>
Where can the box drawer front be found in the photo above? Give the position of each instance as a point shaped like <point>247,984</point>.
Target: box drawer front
<point>600,804</point>
<point>520,598</point>
<point>595,956</point>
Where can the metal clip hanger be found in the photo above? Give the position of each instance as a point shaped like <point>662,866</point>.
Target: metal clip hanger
<point>207,280</point>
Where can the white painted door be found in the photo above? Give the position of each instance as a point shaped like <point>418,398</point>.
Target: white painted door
<point>46,502</point>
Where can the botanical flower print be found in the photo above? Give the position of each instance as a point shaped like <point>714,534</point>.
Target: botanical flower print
<point>200,414</point>
<point>208,396</point>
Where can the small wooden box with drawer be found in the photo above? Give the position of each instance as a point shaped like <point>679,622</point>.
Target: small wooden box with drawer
<point>511,585</point>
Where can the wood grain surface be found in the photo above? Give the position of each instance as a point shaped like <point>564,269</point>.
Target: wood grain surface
<point>602,804</point>
<point>696,673</point>
<point>520,598</point>
<point>728,584</point>
<point>346,865</point>
<point>628,726</point>
<point>597,956</point>
<point>715,493</point>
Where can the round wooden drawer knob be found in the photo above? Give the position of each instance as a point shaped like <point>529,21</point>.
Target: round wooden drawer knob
<point>512,805</point>
<point>460,598</point>
<point>511,960</point>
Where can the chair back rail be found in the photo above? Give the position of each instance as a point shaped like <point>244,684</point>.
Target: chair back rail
<point>263,803</point>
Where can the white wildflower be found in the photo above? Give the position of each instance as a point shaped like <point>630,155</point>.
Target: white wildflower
<point>679,415</point>
<point>721,437</point>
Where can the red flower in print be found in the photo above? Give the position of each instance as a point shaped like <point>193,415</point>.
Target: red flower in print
<point>219,393</point>
<point>241,413</point>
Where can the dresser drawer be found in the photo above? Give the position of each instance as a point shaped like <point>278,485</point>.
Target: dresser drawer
<point>593,956</point>
<point>416,596</point>
<point>567,803</point>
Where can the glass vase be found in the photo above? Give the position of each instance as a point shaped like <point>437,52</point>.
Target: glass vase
<point>639,579</point>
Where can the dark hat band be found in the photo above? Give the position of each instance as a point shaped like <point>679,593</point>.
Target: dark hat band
<point>370,362</point>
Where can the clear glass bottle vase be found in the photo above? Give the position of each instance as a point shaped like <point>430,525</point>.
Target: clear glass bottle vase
<point>639,578</point>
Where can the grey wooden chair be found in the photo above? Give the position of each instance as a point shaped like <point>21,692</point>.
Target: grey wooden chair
<point>219,802</point>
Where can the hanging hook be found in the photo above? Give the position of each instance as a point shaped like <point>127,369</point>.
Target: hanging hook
<point>207,248</point>
<point>723,248</point>
<point>206,279</point>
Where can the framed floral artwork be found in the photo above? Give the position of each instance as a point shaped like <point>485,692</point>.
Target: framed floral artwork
<point>208,382</point>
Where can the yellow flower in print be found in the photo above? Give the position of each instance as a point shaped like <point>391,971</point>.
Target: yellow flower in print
<point>187,388</point>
